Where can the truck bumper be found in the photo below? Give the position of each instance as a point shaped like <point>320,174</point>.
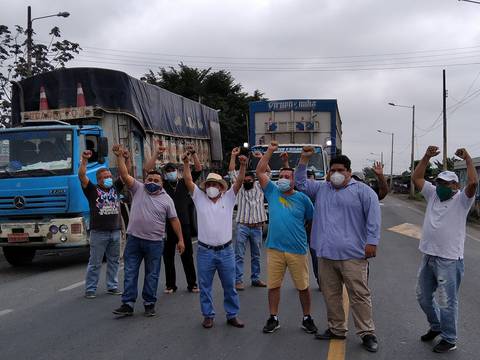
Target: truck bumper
<point>53,233</point>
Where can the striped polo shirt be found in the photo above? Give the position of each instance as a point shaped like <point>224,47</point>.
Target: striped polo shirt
<point>250,204</point>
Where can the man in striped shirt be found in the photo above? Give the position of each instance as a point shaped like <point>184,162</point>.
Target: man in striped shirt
<point>251,217</point>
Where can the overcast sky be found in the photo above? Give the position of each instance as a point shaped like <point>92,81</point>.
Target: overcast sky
<point>340,49</point>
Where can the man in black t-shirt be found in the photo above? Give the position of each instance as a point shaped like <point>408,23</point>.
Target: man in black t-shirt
<point>105,225</point>
<point>175,187</point>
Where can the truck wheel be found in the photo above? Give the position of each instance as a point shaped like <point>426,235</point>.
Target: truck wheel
<point>18,256</point>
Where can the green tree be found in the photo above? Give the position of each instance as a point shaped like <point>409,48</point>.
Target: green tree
<point>450,164</point>
<point>13,63</point>
<point>216,89</point>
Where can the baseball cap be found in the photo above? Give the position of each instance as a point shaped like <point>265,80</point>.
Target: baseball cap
<point>448,176</point>
<point>170,166</point>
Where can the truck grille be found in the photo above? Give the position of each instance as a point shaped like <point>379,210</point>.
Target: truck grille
<point>30,202</point>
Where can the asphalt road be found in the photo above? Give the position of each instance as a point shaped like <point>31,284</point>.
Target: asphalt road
<point>43,314</point>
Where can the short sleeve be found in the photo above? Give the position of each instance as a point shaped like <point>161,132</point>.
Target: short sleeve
<point>269,189</point>
<point>171,212</point>
<point>466,201</point>
<point>196,192</point>
<point>230,197</point>
<point>90,190</point>
<point>428,191</point>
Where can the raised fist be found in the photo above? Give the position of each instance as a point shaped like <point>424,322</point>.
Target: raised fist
<point>190,148</point>
<point>432,151</point>
<point>284,156</point>
<point>243,160</point>
<point>462,154</point>
<point>236,151</point>
<point>87,154</point>
<point>126,154</point>
<point>273,146</point>
<point>117,149</point>
<point>308,151</point>
<point>186,157</point>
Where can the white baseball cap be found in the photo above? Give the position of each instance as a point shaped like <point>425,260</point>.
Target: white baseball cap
<point>449,176</point>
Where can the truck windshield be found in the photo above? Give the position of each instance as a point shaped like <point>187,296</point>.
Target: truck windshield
<point>35,153</point>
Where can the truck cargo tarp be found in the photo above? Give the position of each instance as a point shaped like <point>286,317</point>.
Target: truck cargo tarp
<point>156,109</point>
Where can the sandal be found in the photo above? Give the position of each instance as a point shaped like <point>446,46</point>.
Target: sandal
<point>194,289</point>
<point>169,290</point>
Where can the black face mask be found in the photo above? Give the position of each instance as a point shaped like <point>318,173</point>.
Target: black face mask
<point>248,185</point>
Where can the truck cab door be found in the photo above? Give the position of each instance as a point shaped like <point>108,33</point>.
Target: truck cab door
<point>137,154</point>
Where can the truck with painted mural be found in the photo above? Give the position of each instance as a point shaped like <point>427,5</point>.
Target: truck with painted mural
<point>295,124</point>
<point>58,115</point>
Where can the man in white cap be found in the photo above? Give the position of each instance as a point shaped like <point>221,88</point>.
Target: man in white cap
<point>442,244</point>
<point>215,251</point>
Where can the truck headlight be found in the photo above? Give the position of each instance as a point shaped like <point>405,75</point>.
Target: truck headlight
<point>63,228</point>
<point>53,229</point>
<point>63,238</point>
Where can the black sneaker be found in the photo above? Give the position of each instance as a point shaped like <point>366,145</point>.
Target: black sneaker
<point>149,310</point>
<point>430,335</point>
<point>328,335</point>
<point>90,295</point>
<point>271,325</point>
<point>370,343</point>
<point>309,326</point>
<point>444,346</point>
<point>114,292</point>
<point>124,310</point>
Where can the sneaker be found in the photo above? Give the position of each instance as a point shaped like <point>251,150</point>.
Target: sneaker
<point>370,343</point>
<point>271,326</point>
<point>90,295</point>
<point>239,286</point>
<point>258,283</point>
<point>114,292</point>
<point>150,310</point>
<point>444,346</point>
<point>124,310</point>
<point>328,335</point>
<point>309,326</point>
<point>430,335</point>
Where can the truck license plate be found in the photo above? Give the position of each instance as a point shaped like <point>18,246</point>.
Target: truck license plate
<point>18,238</point>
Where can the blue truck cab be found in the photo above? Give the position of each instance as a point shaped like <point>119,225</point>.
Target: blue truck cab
<point>42,205</point>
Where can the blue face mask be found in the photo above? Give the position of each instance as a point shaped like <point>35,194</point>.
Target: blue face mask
<point>171,176</point>
<point>152,187</point>
<point>283,185</point>
<point>108,183</point>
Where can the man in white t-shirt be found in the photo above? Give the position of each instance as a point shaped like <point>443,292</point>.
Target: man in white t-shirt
<point>214,205</point>
<point>442,243</point>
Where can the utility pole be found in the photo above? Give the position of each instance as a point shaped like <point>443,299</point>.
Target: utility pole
<point>444,122</point>
<point>391,167</point>
<point>412,159</point>
<point>29,41</point>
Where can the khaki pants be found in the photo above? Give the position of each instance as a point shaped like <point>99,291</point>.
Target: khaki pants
<point>353,273</point>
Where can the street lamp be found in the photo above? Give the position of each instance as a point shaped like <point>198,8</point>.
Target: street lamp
<point>471,1</point>
<point>30,32</point>
<point>412,161</point>
<point>391,158</point>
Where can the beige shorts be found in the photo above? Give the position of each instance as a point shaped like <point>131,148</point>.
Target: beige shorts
<point>277,263</point>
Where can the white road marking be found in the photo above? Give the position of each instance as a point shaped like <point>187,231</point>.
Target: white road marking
<point>73,286</point>
<point>473,238</point>
<point>5,312</point>
<point>411,230</point>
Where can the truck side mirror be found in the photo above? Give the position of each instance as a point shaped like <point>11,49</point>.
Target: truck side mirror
<point>102,149</point>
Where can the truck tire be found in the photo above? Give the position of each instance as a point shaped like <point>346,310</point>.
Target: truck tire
<point>19,256</point>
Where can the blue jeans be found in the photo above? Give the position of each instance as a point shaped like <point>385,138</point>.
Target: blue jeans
<point>437,293</point>
<point>103,243</point>
<point>150,252</point>
<point>223,261</point>
<point>253,236</point>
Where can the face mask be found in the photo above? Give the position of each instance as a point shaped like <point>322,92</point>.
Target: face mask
<point>108,183</point>
<point>171,176</point>
<point>444,192</point>
<point>152,187</point>
<point>248,185</point>
<point>337,179</point>
<point>212,192</point>
<point>283,185</point>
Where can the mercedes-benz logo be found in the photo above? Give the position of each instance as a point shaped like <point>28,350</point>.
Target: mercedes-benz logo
<point>19,202</point>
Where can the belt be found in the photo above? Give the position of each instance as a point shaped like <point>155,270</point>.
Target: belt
<point>215,248</point>
<point>260,224</point>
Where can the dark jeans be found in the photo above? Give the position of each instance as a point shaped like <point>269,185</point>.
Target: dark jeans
<point>150,252</point>
<point>186,257</point>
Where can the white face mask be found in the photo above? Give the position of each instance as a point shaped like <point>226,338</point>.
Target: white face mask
<point>212,192</point>
<point>337,179</point>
